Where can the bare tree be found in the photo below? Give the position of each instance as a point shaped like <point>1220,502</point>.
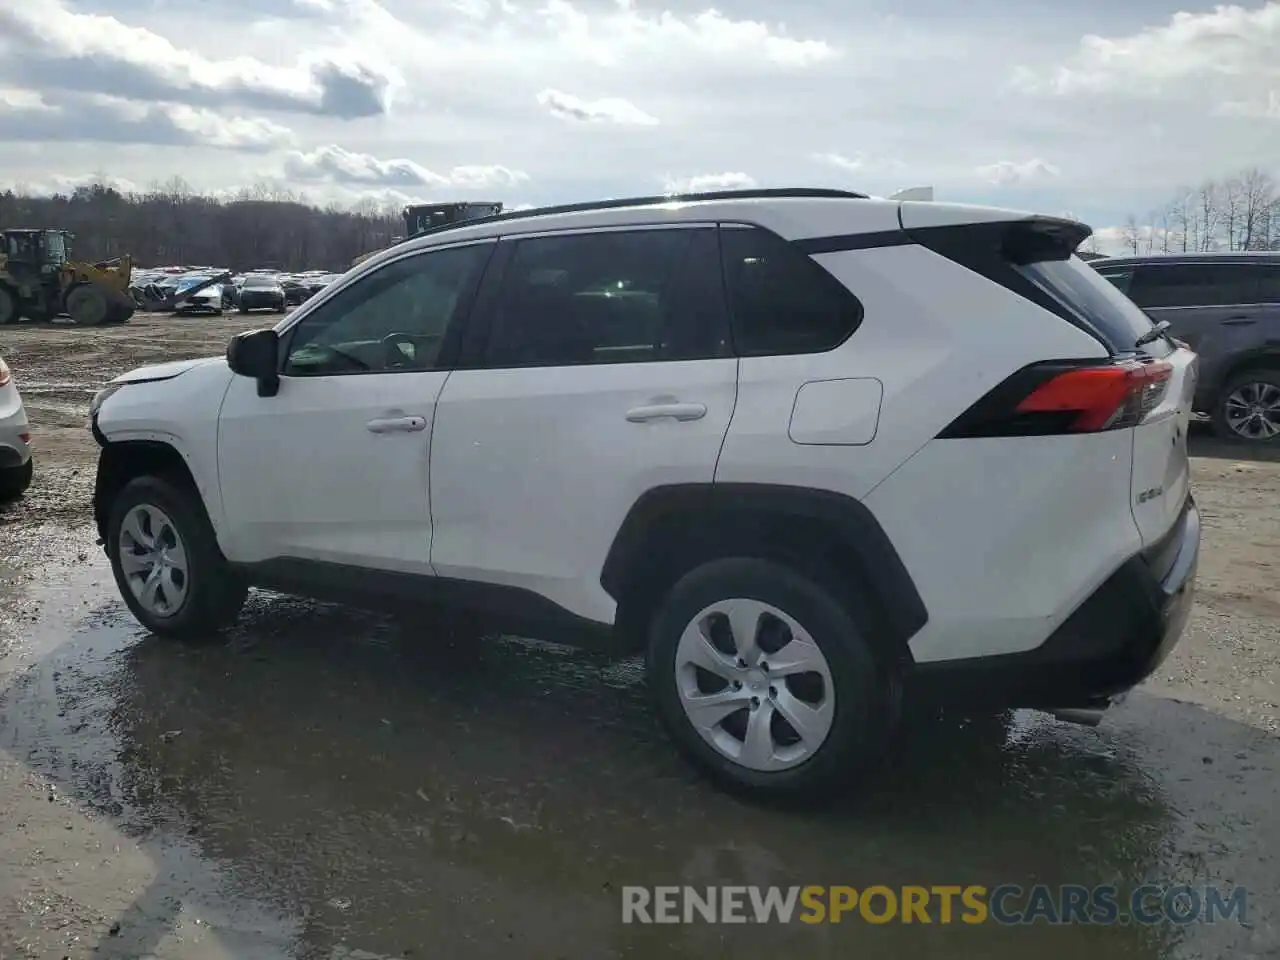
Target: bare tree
<point>1182,216</point>
<point>1258,200</point>
<point>1208,213</point>
<point>1131,234</point>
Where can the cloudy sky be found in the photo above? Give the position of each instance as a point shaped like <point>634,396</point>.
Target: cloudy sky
<point>1092,108</point>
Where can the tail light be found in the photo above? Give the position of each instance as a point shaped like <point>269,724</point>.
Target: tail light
<point>1067,397</point>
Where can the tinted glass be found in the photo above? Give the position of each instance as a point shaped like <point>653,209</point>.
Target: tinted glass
<point>780,299</point>
<point>395,318</point>
<point>609,297</point>
<point>1096,300</point>
<point>1193,285</point>
<point>1268,283</point>
<point>1119,278</point>
<point>261,283</point>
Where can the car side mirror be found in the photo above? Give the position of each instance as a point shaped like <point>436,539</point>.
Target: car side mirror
<point>256,354</point>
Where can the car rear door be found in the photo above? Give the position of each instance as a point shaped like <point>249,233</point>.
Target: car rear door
<point>601,369</point>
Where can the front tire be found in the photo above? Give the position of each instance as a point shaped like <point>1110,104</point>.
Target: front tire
<point>15,480</point>
<point>764,680</point>
<point>1247,408</point>
<point>166,560</point>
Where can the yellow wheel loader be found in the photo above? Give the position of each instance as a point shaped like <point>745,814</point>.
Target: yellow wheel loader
<point>39,281</point>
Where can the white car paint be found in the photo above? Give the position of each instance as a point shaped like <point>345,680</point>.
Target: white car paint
<point>15,432</point>
<point>523,477</point>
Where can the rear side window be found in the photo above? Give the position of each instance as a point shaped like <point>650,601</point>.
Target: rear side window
<point>609,297</point>
<point>1095,298</point>
<point>1268,283</point>
<point>1118,278</point>
<point>1193,285</point>
<point>781,300</point>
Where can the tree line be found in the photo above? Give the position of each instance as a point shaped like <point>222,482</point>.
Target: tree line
<point>169,224</point>
<point>1239,212</point>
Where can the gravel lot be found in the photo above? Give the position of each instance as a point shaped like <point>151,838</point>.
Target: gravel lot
<point>323,786</point>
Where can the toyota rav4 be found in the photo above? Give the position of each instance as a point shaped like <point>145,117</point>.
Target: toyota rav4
<point>806,449</point>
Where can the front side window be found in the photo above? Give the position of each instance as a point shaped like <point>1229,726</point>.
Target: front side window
<point>782,301</point>
<point>609,297</point>
<point>393,319</point>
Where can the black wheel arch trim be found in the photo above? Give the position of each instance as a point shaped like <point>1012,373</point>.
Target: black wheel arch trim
<point>879,565</point>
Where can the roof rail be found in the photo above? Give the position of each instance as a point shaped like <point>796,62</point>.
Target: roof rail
<point>770,193</point>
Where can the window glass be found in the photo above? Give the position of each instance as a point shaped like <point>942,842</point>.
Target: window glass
<point>1268,283</point>
<point>1118,278</point>
<point>781,300</point>
<point>393,319</point>
<point>609,297</point>
<point>1192,285</point>
<point>1103,305</point>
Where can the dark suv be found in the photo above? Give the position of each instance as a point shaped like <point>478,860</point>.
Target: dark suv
<point>1226,306</point>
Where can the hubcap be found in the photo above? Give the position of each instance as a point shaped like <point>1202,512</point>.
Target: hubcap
<point>1253,411</point>
<point>754,684</point>
<point>153,560</point>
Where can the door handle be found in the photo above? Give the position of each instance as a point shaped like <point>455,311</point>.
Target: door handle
<point>662,411</point>
<point>1240,321</point>
<point>397,425</point>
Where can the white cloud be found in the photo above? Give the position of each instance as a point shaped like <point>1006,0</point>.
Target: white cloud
<point>1228,42</point>
<point>60,183</point>
<point>89,118</point>
<point>1006,173</point>
<point>1268,109</point>
<point>566,106</point>
<point>92,52</point>
<point>333,164</point>
<point>707,182</point>
<point>627,30</point>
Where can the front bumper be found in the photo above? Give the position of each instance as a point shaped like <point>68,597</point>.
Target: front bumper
<point>1116,639</point>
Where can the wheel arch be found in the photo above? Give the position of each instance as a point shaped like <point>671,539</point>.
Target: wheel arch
<point>831,537</point>
<point>124,460</point>
<point>1266,357</point>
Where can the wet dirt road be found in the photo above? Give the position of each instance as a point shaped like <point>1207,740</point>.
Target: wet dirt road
<point>322,783</point>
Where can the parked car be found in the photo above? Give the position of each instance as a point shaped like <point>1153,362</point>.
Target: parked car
<point>817,454</point>
<point>260,293</point>
<point>1226,306</point>
<point>16,463</point>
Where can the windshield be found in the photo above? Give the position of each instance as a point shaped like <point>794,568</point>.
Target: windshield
<point>1098,302</point>
<point>260,283</point>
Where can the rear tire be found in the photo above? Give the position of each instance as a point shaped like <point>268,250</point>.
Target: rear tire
<point>88,306</point>
<point>14,481</point>
<point>8,307</point>
<point>157,524</point>
<point>1234,416</point>
<point>750,745</point>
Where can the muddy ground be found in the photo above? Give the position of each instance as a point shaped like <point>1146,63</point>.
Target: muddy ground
<point>321,785</point>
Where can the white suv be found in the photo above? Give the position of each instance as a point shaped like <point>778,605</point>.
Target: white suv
<point>806,448</point>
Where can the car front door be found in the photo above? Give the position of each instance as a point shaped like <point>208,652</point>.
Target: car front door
<point>334,467</point>
<point>605,370</point>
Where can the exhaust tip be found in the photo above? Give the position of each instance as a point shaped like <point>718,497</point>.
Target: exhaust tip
<point>1085,716</point>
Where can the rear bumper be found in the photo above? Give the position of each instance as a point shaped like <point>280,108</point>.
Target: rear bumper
<point>1113,641</point>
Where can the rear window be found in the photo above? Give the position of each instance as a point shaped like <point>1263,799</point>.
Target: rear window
<point>1097,301</point>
